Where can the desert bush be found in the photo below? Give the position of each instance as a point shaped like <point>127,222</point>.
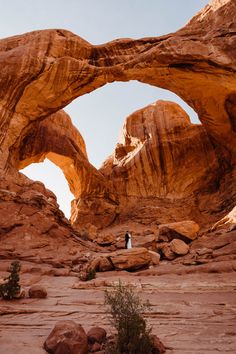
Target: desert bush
<point>11,287</point>
<point>126,310</point>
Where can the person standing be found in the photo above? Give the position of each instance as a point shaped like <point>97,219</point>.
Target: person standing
<point>128,242</point>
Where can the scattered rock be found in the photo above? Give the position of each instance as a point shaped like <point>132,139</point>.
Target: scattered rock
<point>67,337</point>
<point>186,231</point>
<point>179,247</point>
<point>166,251</point>
<point>37,291</point>
<point>101,264</point>
<point>96,334</point>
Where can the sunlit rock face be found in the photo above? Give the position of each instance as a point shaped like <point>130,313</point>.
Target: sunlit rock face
<point>170,158</point>
<point>161,154</point>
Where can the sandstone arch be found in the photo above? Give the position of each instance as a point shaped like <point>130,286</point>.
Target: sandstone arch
<point>45,70</point>
<point>57,139</point>
<point>55,66</point>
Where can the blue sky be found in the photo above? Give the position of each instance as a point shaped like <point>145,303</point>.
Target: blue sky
<point>99,115</point>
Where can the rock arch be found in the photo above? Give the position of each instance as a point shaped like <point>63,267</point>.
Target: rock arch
<point>46,70</point>
<point>57,139</point>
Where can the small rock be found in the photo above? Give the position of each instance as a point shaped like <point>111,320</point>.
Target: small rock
<point>37,291</point>
<point>167,252</point>
<point>179,247</point>
<point>96,334</point>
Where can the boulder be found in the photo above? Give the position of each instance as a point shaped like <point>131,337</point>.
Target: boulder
<point>67,337</point>
<point>105,239</point>
<point>101,264</point>
<point>146,241</point>
<point>166,251</point>
<point>96,334</point>
<point>179,247</point>
<point>37,291</point>
<point>130,259</point>
<point>186,231</point>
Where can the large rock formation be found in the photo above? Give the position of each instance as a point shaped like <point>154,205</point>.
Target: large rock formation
<point>162,155</point>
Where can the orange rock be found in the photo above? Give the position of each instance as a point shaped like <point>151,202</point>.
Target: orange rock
<point>166,251</point>
<point>67,337</point>
<point>130,259</point>
<point>184,230</point>
<point>179,247</point>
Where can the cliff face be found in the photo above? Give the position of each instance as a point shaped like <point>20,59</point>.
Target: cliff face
<point>161,154</point>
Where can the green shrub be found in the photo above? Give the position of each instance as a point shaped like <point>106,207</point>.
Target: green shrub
<point>126,310</point>
<point>11,286</point>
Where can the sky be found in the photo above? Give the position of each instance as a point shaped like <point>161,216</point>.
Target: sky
<point>99,116</point>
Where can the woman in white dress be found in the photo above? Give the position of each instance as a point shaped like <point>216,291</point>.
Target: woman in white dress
<point>129,245</point>
<point>128,242</point>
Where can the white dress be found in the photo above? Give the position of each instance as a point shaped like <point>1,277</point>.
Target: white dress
<point>129,244</point>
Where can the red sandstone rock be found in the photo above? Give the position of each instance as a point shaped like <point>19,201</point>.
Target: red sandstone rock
<point>101,264</point>
<point>96,334</point>
<point>37,291</point>
<point>166,251</point>
<point>105,239</point>
<point>179,247</point>
<point>184,230</point>
<point>130,259</point>
<point>67,337</point>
